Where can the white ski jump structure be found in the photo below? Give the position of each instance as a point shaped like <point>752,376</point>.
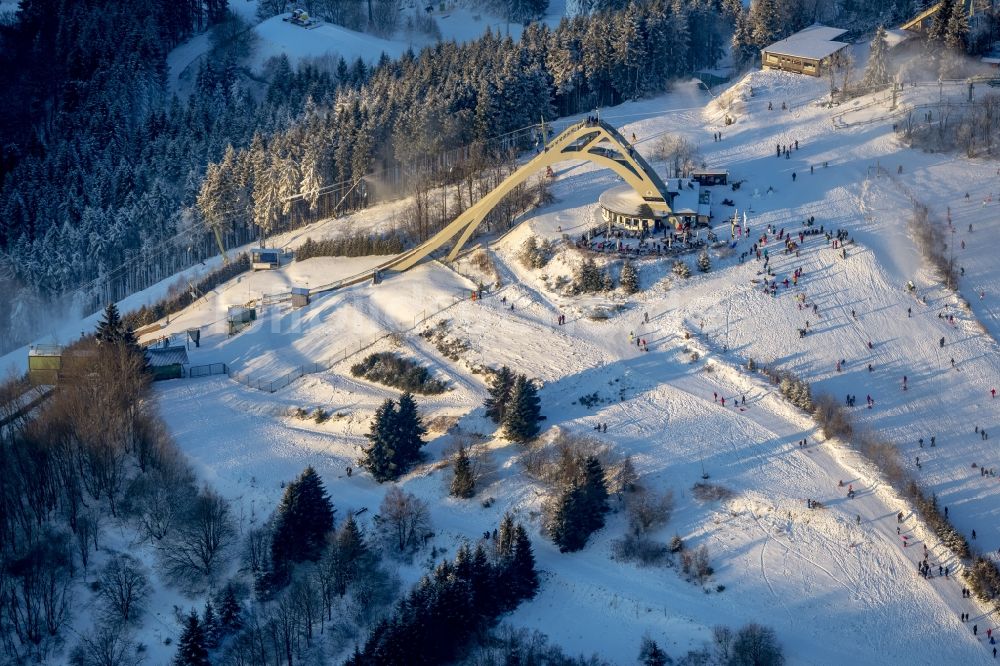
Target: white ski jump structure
<point>590,140</point>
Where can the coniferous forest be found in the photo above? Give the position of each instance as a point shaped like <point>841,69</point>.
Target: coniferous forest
<point>109,182</point>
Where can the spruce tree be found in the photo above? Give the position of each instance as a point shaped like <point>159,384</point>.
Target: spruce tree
<point>499,394</point>
<point>629,278</point>
<point>484,587</point>
<point>191,645</point>
<point>410,431</point>
<point>521,570</point>
<point>521,420</point>
<point>210,626</point>
<point>568,529</point>
<point>111,329</point>
<point>957,30</point>
<point>380,456</point>
<point>595,490</point>
<point>704,262</point>
<point>304,518</point>
<point>939,24</point>
<point>230,612</point>
<point>349,556</point>
<point>463,484</point>
<point>877,72</point>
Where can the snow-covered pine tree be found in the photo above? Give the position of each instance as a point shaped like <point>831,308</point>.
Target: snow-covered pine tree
<point>191,649</point>
<point>230,611</point>
<point>499,394</point>
<point>302,521</point>
<point>629,278</point>
<point>764,23</point>
<point>410,431</point>
<point>956,35</point>
<point>588,276</point>
<point>380,455</point>
<point>877,69</point>
<point>681,269</point>
<point>939,24</point>
<point>520,422</point>
<point>463,484</point>
<point>704,262</point>
<point>210,626</point>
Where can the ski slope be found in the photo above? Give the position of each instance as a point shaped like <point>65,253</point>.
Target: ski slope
<point>833,588</point>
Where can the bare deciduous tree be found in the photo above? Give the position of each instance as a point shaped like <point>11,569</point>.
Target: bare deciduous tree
<point>199,544</point>
<point>107,645</point>
<point>404,520</point>
<point>648,509</point>
<point>124,587</point>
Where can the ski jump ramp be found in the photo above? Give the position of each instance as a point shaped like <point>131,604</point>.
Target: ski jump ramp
<point>588,140</point>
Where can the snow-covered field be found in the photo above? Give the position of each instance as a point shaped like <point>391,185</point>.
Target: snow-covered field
<point>834,588</point>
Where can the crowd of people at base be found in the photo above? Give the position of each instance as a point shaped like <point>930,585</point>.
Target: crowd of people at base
<point>669,244</point>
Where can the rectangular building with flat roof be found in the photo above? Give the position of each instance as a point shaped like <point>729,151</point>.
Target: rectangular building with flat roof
<point>809,51</point>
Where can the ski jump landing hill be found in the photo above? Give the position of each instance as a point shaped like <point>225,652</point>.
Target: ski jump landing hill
<point>590,140</point>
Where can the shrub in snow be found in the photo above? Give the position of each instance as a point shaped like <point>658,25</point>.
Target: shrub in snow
<point>756,645</point>
<point>681,269</point>
<point>695,563</point>
<point>648,510</point>
<point>710,492</point>
<point>629,278</point>
<point>704,262</point>
<point>534,254</point>
<point>391,369</point>
<point>638,549</point>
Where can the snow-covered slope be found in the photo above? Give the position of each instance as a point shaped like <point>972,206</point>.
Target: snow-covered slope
<point>834,588</point>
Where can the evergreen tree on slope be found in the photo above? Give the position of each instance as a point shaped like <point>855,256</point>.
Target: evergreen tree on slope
<point>191,645</point>
<point>230,612</point>
<point>499,394</point>
<point>380,456</point>
<point>463,484</point>
<point>521,420</point>
<point>595,490</point>
<point>877,72</point>
<point>410,431</point>
<point>304,518</point>
<point>629,278</point>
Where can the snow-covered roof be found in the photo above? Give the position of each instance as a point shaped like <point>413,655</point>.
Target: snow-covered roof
<point>625,201</point>
<point>815,43</point>
<point>689,198</point>
<point>162,356</point>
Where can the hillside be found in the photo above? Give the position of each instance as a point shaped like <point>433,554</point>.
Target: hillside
<point>833,588</point>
